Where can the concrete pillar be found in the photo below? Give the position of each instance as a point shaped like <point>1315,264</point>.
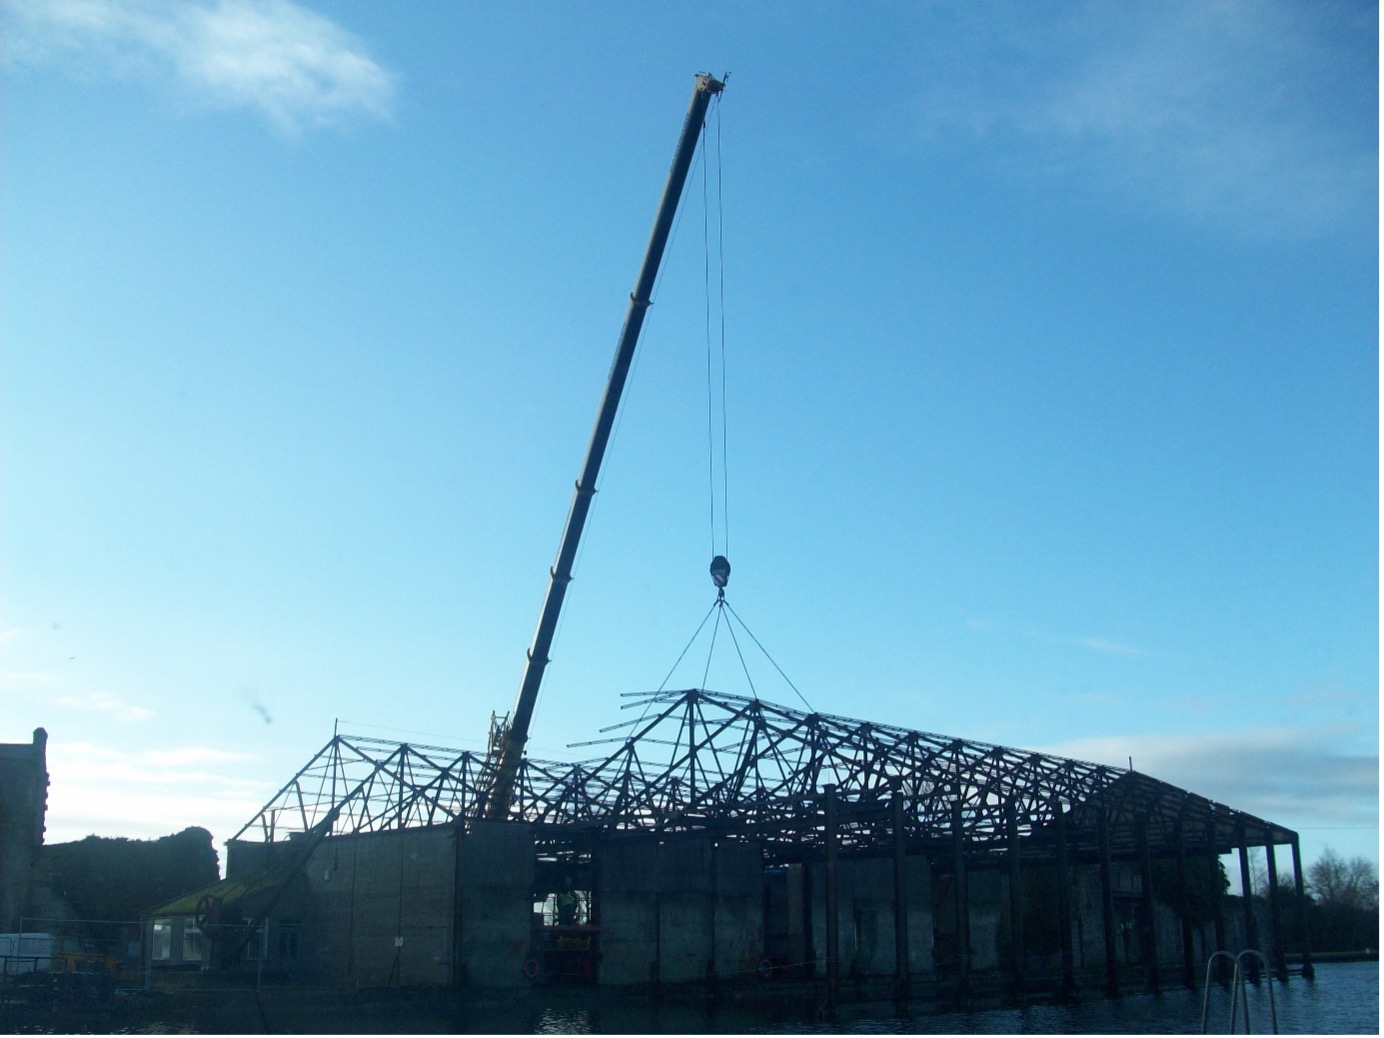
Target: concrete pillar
<point>1016,898</point>
<point>1246,889</point>
<point>833,920</point>
<point>963,904</point>
<point>1064,900</point>
<point>1148,925</point>
<point>900,898</point>
<point>1184,908</point>
<point>711,911</point>
<point>1107,903</point>
<point>1275,956</point>
<point>1303,939</point>
<point>1213,866</point>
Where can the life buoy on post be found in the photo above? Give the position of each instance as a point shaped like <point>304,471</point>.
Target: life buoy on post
<point>531,968</point>
<point>766,968</point>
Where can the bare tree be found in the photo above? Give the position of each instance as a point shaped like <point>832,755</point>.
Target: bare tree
<point>1337,883</point>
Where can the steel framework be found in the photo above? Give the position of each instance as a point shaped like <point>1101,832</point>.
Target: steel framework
<point>737,767</point>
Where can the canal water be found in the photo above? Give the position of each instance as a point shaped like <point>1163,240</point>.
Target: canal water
<point>1343,999</point>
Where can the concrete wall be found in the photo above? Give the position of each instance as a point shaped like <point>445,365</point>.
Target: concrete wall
<point>989,903</point>
<point>378,909</point>
<point>680,910</point>
<point>417,907</point>
<point>865,915</point>
<point>494,890</point>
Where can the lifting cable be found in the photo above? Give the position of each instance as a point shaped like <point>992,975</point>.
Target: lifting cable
<point>715,395</point>
<point>718,438</point>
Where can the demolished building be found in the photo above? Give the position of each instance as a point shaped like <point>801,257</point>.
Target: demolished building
<point>722,838</point>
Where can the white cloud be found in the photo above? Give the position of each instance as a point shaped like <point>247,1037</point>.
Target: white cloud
<point>103,702</point>
<point>295,67</point>
<point>107,791</point>
<point>1293,776</point>
<point>1253,112</point>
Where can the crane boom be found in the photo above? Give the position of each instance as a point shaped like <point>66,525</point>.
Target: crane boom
<point>508,743</point>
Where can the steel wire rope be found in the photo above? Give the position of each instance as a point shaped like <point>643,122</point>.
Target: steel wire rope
<point>721,306</point>
<point>770,658</point>
<point>711,649</point>
<point>736,641</point>
<point>712,399</point>
<point>669,676</point>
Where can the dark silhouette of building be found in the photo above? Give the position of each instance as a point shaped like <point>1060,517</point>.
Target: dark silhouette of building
<point>23,807</point>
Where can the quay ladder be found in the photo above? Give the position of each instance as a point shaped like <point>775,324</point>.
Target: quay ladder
<point>1238,993</point>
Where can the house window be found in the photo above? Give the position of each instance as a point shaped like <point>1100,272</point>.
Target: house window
<point>288,943</point>
<point>192,943</point>
<point>161,943</point>
<point>257,948</point>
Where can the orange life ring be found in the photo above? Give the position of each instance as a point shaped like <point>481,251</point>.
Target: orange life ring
<point>531,968</point>
<point>766,968</point>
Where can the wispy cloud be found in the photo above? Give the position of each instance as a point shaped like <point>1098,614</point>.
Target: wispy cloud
<point>1258,113</point>
<point>103,702</point>
<point>114,792</point>
<point>297,68</point>
<point>1092,642</point>
<point>1294,776</point>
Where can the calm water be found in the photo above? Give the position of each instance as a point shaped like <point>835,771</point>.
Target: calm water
<point>1344,999</point>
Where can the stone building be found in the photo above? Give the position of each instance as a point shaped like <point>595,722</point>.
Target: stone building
<point>23,807</point>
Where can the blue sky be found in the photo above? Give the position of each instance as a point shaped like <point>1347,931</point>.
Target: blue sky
<point>1051,339</point>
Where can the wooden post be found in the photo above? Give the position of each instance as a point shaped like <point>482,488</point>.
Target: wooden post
<point>1016,898</point>
<point>833,915</point>
<point>901,977</point>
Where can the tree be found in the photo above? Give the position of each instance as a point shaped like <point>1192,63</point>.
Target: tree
<point>114,878</point>
<point>1340,884</point>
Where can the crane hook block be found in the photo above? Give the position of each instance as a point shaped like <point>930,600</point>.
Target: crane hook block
<point>720,571</point>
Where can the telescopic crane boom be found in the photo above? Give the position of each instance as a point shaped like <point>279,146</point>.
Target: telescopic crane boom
<point>507,745</point>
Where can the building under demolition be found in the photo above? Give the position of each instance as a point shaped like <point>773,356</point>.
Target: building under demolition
<point>723,839</point>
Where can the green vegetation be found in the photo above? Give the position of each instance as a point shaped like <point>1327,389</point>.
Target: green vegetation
<point>120,879</point>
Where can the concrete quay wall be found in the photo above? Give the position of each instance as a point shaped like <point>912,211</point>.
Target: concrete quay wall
<point>681,910</point>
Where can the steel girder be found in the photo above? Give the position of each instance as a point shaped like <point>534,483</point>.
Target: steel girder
<point>697,760</point>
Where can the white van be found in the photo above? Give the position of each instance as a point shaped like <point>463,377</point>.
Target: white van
<point>25,953</point>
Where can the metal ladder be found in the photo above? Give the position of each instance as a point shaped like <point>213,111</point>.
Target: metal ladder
<point>1238,994</point>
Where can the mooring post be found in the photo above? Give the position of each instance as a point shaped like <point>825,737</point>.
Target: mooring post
<point>1016,898</point>
<point>1064,900</point>
<point>1307,969</point>
<point>833,916</point>
<point>900,897</point>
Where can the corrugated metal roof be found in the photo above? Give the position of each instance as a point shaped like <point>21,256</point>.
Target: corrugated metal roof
<point>227,891</point>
